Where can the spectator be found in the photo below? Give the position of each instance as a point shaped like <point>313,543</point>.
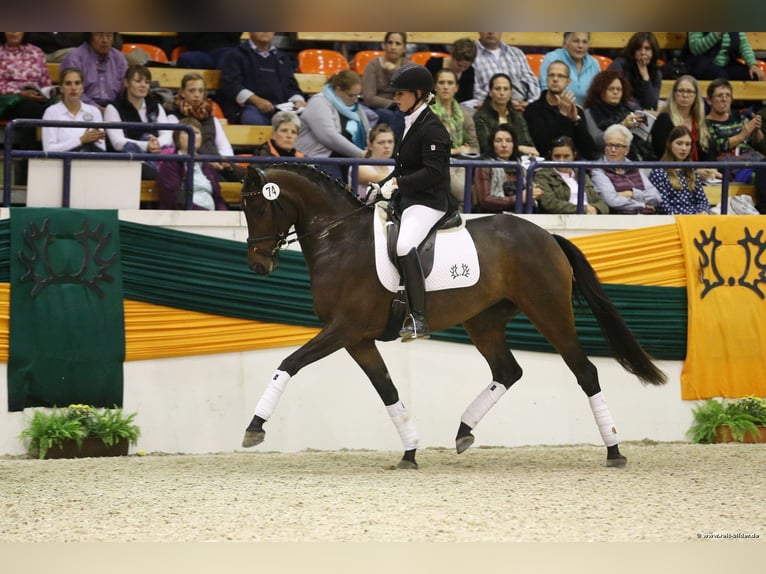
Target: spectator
<point>192,101</point>
<point>377,77</point>
<point>737,137</point>
<point>103,68</point>
<point>205,50</point>
<point>496,186</point>
<point>55,45</point>
<point>380,145</point>
<point>284,134</point>
<point>608,103</point>
<point>625,190</point>
<point>685,107</point>
<point>556,114</point>
<point>333,124</point>
<point>639,66</point>
<point>582,66</point>
<point>206,191</point>
<point>256,77</point>
<point>712,55</point>
<point>136,104</point>
<point>71,108</point>
<point>560,187</point>
<point>459,124</point>
<point>680,189</point>
<point>460,61</point>
<point>25,87</point>
<point>497,109</point>
<point>494,56</point>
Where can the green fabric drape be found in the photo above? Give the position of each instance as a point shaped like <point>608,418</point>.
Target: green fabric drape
<point>67,331</point>
<point>210,275</point>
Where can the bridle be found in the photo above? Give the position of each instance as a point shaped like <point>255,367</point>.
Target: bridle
<point>279,237</point>
<point>283,239</point>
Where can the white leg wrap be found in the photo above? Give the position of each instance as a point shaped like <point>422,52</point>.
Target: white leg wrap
<point>404,425</point>
<point>270,398</point>
<point>603,419</point>
<point>481,404</point>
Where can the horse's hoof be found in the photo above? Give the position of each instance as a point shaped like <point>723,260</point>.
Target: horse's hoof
<point>407,465</point>
<point>463,443</point>
<point>617,462</point>
<point>253,438</point>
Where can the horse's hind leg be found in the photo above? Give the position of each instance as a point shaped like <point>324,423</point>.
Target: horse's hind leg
<point>367,356</point>
<point>487,331</point>
<point>554,318</point>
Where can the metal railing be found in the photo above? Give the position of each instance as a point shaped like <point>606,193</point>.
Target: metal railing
<point>522,205</point>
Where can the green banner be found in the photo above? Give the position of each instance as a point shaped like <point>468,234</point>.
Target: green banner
<point>67,327</point>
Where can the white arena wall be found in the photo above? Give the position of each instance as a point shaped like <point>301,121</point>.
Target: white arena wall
<point>202,404</point>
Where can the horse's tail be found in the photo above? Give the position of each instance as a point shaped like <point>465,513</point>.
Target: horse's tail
<point>623,344</point>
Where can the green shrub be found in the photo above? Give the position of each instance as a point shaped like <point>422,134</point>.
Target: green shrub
<point>76,422</point>
<point>711,414</point>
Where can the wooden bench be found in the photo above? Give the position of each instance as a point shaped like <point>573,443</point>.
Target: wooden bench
<point>713,192</point>
<point>598,40</point>
<point>171,78</point>
<point>751,90</point>
<point>229,190</point>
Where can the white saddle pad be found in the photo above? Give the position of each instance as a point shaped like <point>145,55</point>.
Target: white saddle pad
<point>456,263</point>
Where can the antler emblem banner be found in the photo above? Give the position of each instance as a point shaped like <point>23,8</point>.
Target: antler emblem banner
<point>725,259</point>
<point>67,326</point>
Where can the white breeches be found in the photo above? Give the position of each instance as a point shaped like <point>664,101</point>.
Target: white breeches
<point>417,221</point>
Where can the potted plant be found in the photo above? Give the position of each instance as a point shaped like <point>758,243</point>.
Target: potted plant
<point>80,431</point>
<point>743,420</point>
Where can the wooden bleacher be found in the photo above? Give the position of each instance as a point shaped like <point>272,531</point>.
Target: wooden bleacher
<point>598,40</point>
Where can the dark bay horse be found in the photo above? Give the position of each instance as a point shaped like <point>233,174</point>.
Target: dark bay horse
<point>524,269</point>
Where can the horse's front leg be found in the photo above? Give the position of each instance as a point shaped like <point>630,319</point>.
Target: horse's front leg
<point>325,343</point>
<point>367,356</point>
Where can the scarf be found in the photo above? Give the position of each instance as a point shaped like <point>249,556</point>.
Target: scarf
<point>453,122</point>
<point>201,110</point>
<point>353,126</point>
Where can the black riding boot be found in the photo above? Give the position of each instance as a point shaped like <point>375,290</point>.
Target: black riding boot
<point>415,325</point>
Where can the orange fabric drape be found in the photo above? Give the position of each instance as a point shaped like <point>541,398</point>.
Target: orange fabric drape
<point>155,332</point>
<point>725,259</point>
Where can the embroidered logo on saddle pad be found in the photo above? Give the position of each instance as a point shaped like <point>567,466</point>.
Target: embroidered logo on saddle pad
<point>456,263</point>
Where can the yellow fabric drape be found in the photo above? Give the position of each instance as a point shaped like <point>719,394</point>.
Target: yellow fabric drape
<point>651,256</point>
<point>725,262</point>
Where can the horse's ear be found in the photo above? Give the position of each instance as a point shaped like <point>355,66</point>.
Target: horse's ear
<point>256,174</point>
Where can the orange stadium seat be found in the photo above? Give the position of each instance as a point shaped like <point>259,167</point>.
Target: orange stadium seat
<point>217,111</point>
<point>155,53</point>
<point>603,61</point>
<point>534,61</point>
<point>327,62</point>
<point>422,57</point>
<point>177,51</point>
<point>361,58</point>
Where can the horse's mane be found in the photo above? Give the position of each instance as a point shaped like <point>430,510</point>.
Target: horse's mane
<point>317,176</point>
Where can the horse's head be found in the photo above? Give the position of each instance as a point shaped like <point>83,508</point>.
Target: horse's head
<point>267,221</point>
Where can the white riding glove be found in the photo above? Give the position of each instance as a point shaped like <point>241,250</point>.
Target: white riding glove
<point>388,189</point>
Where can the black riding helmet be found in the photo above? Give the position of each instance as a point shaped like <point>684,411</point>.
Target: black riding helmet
<point>412,78</point>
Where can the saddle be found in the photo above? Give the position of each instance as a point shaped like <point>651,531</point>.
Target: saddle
<point>426,249</point>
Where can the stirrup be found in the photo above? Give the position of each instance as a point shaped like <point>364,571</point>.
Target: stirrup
<point>410,330</point>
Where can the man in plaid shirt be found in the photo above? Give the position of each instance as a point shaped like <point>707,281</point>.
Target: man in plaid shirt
<point>493,56</point>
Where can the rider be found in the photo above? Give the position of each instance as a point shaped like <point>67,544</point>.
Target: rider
<point>420,183</point>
